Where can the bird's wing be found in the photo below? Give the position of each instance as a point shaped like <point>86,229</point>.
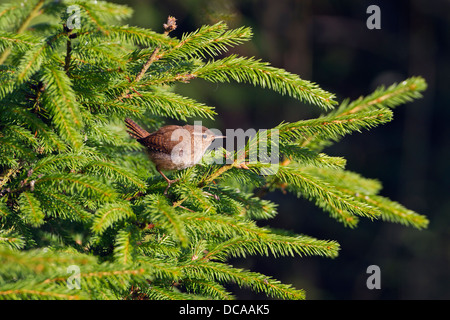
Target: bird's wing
<point>161,140</point>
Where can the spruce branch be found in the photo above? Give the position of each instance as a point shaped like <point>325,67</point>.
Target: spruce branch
<point>222,226</point>
<point>36,11</point>
<point>247,205</point>
<point>60,99</point>
<point>61,206</point>
<point>124,251</point>
<point>47,137</point>
<point>139,36</point>
<point>37,294</point>
<point>277,245</point>
<point>208,40</point>
<point>31,209</point>
<point>260,283</point>
<point>394,95</point>
<point>208,288</point>
<point>161,212</point>
<point>77,183</point>
<point>17,41</point>
<point>110,214</point>
<point>31,61</point>
<point>366,190</point>
<point>395,212</point>
<point>113,171</point>
<point>379,100</point>
<point>169,104</point>
<point>258,73</point>
<point>343,207</point>
<point>333,127</point>
<point>10,238</point>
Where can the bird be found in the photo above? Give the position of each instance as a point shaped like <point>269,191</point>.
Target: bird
<point>173,147</point>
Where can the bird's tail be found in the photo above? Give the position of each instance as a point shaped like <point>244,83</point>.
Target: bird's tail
<point>135,130</point>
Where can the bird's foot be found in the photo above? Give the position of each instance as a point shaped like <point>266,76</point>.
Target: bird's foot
<point>169,183</point>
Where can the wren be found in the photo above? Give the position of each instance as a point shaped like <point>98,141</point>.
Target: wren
<point>173,147</point>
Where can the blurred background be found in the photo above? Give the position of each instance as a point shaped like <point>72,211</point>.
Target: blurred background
<point>328,42</point>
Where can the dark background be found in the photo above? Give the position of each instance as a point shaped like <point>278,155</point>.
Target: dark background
<point>328,42</point>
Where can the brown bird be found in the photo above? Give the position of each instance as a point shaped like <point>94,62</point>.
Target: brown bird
<point>173,147</point>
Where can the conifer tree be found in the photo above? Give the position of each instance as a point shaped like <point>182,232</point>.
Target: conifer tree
<point>82,209</point>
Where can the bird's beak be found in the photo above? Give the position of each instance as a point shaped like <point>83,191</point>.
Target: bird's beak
<point>219,137</point>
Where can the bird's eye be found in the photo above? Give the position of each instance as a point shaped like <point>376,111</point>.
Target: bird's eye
<point>205,136</point>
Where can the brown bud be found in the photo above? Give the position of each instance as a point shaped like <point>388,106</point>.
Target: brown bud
<point>170,25</point>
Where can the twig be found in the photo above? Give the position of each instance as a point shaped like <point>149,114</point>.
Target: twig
<point>216,174</point>
<point>68,53</point>
<point>168,27</point>
<point>183,207</point>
